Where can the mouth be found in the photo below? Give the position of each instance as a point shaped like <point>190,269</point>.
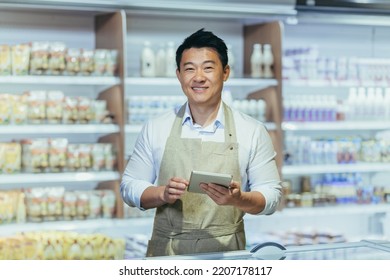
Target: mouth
<point>199,89</point>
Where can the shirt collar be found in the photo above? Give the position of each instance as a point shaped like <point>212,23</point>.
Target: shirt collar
<point>219,121</point>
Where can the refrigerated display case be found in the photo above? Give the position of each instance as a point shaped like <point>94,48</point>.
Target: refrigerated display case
<point>360,250</point>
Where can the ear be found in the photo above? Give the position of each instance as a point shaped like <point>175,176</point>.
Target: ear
<point>178,73</point>
<point>226,73</point>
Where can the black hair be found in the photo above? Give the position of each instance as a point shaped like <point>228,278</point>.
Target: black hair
<point>203,39</point>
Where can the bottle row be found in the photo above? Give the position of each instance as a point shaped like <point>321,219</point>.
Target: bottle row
<point>141,108</point>
<point>55,204</point>
<point>361,104</point>
<point>51,107</point>
<point>61,245</point>
<point>160,62</point>
<point>307,63</point>
<point>337,189</point>
<point>55,58</point>
<point>305,150</point>
<point>262,61</point>
<point>42,155</point>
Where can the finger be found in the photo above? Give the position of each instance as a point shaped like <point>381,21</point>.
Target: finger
<point>180,180</point>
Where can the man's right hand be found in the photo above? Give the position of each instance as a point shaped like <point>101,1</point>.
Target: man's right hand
<point>175,188</point>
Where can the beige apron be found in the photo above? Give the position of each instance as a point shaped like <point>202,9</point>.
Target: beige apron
<point>195,223</point>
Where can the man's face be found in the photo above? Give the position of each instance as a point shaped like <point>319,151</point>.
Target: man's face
<point>201,76</point>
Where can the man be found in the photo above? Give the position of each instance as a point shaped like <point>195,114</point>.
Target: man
<point>206,135</point>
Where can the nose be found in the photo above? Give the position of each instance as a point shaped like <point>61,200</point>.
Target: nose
<point>199,76</point>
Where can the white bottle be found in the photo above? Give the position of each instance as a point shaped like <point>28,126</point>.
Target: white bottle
<point>360,104</point>
<point>161,61</point>
<point>351,104</point>
<point>148,64</point>
<point>379,105</point>
<point>268,61</point>
<point>369,105</point>
<point>231,61</point>
<point>256,62</point>
<point>170,69</point>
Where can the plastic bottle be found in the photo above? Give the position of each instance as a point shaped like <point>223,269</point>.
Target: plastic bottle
<point>379,105</point>
<point>161,61</point>
<point>231,61</point>
<point>256,62</point>
<point>360,103</point>
<point>369,104</point>
<point>268,61</point>
<point>148,63</point>
<point>351,104</point>
<point>170,70</point>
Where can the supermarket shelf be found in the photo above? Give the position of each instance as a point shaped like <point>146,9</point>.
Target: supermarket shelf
<point>334,126</point>
<point>60,128</point>
<point>236,82</point>
<point>334,83</point>
<point>353,209</point>
<point>134,128</point>
<point>85,226</point>
<point>65,177</point>
<point>60,80</point>
<point>335,168</point>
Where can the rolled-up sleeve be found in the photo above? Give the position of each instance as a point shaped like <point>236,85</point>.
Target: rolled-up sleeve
<point>263,174</point>
<point>140,172</point>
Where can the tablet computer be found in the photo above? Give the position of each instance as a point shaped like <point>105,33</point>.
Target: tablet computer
<point>198,177</point>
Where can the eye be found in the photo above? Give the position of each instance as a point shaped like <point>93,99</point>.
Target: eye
<point>189,69</point>
<point>208,68</point>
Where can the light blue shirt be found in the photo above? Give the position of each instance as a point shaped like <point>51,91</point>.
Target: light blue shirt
<point>256,155</point>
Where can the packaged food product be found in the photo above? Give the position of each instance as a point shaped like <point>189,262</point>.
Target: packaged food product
<point>36,204</point>
<point>54,106</point>
<point>35,155</point>
<point>57,154</point>
<point>82,205</point>
<point>5,109</point>
<point>87,63</point>
<point>72,58</point>
<point>108,203</point>
<point>85,110</point>
<point>110,157</point>
<point>111,63</point>
<point>10,157</point>
<point>20,59</point>
<point>19,109</point>
<point>73,157</point>
<point>5,60</point>
<point>70,110</point>
<point>55,200</point>
<point>39,59</point>
<point>100,111</point>
<point>100,59</point>
<point>36,101</point>
<point>98,157</point>
<point>57,51</point>
<point>85,156</point>
<point>70,205</point>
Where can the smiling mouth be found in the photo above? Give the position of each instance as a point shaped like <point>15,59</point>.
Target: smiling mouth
<point>199,88</point>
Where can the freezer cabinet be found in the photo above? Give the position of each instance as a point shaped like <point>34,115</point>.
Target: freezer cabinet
<point>361,250</point>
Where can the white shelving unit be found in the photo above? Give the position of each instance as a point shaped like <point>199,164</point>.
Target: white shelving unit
<point>336,126</point>
<point>335,168</point>
<point>55,178</point>
<point>331,44</point>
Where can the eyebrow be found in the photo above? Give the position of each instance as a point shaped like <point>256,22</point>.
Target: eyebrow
<point>205,62</point>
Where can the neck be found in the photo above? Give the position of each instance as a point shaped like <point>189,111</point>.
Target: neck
<point>204,115</point>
